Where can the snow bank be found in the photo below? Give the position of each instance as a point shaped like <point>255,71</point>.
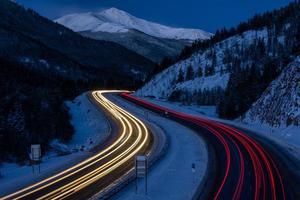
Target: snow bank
<point>91,126</point>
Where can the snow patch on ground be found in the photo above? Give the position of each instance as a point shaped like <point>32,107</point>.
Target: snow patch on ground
<point>89,124</point>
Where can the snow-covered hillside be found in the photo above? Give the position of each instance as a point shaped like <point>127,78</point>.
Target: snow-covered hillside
<point>166,82</point>
<point>117,21</point>
<point>234,67</point>
<point>279,106</point>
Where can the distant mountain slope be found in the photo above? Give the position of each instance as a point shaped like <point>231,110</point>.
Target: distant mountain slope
<point>113,20</point>
<point>151,47</point>
<point>279,105</point>
<point>233,68</point>
<point>26,35</point>
<point>151,40</point>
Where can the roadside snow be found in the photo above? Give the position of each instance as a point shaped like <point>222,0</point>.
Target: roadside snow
<point>89,124</point>
<point>209,111</point>
<point>172,176</point>
<point>15,177</point>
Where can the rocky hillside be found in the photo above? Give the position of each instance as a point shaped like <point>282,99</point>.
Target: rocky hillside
<point>279,105</point>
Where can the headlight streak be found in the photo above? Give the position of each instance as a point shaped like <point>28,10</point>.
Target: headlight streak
<point>91,177</point>
<point>127,122</point>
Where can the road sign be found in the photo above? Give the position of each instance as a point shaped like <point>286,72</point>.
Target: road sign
<point>141,168</point>
<point>36,153</point>
<point>35,156</point>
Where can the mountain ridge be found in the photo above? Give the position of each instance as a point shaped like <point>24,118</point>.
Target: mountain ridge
<point>151,40</point>
<point>115,20</point>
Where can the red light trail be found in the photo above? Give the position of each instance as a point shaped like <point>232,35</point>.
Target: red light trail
<point>267,183</point>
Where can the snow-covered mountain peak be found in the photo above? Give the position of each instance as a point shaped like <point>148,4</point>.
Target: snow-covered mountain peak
<point>113,20</point>
<point>114,12</point>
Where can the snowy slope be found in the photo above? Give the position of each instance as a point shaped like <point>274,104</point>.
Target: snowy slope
<point>117,21</point>
<point>91,127</point>
<point>164,83</point>
<point>279,106</point>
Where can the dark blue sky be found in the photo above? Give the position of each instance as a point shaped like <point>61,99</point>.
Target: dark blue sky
<point>208,15</point>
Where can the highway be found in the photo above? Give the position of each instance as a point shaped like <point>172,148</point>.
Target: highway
<point>101,170</point>
<point>243,168</point>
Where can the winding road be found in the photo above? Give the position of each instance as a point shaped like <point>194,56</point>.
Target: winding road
<point>103,169</point>
<point>244,169</point>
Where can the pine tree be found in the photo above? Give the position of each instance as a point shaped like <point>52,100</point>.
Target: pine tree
<point>180,77</point>
<point>213,64</point>
<point>206,71</point>
<point>189,73</point>
<point>200,73</point>
<point>209,71</point>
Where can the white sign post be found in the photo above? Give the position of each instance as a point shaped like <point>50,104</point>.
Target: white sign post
<point>194,171</point>
<point>141,168</point>
<point>36,155</point>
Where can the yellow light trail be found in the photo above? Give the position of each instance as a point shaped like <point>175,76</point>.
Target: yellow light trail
<point>127,122</point>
